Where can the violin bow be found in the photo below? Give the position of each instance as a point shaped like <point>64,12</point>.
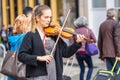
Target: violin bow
<point>52,52</point>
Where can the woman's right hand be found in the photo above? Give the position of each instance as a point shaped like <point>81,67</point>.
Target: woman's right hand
<point>46,58</point>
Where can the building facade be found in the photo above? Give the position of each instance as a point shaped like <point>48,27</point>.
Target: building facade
<point>94,10</point>
<point>97,12</point>
<point>10,9</point>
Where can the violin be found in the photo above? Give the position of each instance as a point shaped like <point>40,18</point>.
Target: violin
<point>54,29</point>
<point>67,32</point>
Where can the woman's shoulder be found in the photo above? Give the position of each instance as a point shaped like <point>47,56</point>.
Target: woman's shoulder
<point>89,29</point>
<point>30,33</point>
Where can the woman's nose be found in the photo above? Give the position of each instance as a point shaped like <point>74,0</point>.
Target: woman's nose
<point>49,20</point>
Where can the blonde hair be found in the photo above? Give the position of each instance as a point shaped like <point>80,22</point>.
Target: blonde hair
<point>33,19</point>
<point>21,24</point>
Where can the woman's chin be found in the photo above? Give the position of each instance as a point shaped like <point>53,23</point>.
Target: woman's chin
<point>46,25</point>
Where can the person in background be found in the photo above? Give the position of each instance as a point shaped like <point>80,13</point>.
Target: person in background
<point>19,30</point>
<point>36,48</point>
<point>27,11</point>
<point>81,28</point>
<point>118,15</point>
<point>10,30</point>
<point>4,34</point>
<point>109,40</point>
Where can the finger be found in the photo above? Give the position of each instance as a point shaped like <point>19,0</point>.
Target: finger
<point>51,56</point>
<point>83,36</point>
<point>77,36</point>
<point>80,36</point>
<point>49,60</point>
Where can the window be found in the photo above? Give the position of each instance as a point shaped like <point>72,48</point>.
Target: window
<point>67,5</point>
<point>99,3</point>
<point>117,3</point>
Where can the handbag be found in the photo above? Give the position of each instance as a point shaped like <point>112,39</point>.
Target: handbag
<point>12,67</point>
<point>91,49</point>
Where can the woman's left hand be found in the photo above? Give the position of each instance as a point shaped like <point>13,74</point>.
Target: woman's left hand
<point>80,38</point>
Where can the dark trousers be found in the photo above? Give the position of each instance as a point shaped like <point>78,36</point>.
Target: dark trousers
<point>6,45</point>
<point>110,62</point>
<point>81,58</point>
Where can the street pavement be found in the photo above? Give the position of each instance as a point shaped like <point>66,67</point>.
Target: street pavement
<point>73,71</point>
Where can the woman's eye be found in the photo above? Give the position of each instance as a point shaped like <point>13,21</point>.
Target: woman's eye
<point>47,17</point>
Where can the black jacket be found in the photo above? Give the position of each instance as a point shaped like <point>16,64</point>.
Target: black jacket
<point>32,46</point>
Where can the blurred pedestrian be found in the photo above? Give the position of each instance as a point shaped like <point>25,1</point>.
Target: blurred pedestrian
<point>118,15</point>
<point>81,27</point>
<point>19,30</point>
<point>36,48</point>
<point>4,34</point>
<point>10,30</point>
<point>27,11</point>
<point>108,40</point>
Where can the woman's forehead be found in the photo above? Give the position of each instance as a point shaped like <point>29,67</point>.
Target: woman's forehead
<point>47,12</point>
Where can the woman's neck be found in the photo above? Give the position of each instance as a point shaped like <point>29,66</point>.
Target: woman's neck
<point>41,32</point>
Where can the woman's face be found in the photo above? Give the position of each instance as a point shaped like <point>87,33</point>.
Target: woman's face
<point>16,28</point>
<point>45,19</point>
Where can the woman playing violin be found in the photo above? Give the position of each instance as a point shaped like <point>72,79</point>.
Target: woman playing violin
<point>36,48</point>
